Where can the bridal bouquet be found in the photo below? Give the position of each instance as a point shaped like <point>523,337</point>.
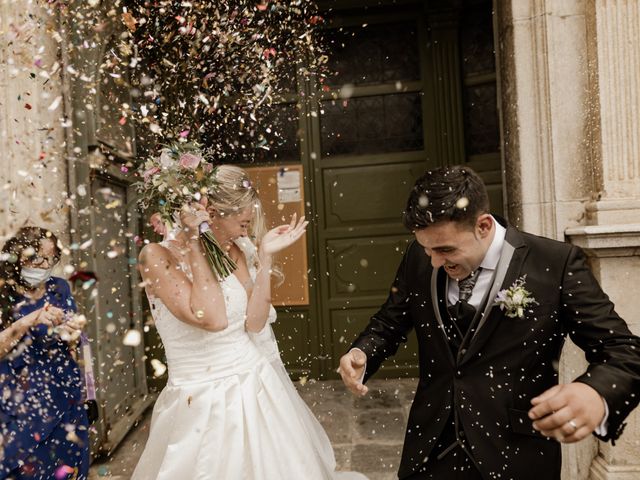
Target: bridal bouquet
<point>182,174</point>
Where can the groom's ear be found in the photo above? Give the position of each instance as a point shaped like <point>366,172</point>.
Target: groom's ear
<point>484,224</point>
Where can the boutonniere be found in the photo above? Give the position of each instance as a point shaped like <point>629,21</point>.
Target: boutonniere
<point>515,299</point>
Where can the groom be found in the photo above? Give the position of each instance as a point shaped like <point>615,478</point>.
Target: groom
<point>491,307</point>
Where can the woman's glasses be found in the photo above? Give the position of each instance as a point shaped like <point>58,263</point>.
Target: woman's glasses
<point>38,261</point>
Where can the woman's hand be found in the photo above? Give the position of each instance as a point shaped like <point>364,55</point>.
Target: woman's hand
<point>192,216</point>
<point>71,330</point>
<point>49,316</point>
<point>281,237</point>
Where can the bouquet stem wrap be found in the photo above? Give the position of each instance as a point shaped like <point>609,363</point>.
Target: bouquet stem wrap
<point>219,261</point>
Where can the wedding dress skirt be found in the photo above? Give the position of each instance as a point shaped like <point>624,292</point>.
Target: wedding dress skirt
<point>229,410</point>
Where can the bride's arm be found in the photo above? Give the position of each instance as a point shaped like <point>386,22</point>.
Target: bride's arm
<point>206,297</point>
<point>200,303</point>
<point>260,301</point>
<point>275,240</point>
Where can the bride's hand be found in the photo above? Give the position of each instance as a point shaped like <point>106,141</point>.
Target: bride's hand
<point>192,216</point>
<point>281,237</point>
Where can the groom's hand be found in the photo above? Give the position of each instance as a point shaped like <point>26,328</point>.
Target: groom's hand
<point>567,412</point>
<point>352,370</point>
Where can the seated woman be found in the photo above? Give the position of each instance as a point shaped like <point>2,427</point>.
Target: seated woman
<point>43,424</point>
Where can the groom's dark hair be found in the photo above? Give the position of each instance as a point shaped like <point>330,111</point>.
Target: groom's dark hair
<point>455,194</point>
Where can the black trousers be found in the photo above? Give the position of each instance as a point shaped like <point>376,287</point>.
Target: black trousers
<point>456,465</point>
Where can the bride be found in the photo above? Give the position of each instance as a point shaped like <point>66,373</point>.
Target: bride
<point>229,410</point>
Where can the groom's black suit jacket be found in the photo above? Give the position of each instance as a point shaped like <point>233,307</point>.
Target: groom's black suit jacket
<point>491,378</point>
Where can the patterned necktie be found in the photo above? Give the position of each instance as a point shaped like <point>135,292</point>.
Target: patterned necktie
<point>463,313</point>
<point>466,285</point>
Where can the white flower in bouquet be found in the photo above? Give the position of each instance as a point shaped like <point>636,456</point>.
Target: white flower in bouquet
<point>166,159</point>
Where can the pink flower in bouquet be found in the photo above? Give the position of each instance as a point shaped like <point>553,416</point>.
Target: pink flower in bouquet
<point>147,174</point>
<point>269,52</point>
<point>189,160</point>
<point>207,168</point>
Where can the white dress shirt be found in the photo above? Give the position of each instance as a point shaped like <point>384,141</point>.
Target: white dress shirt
<point>489,265</point>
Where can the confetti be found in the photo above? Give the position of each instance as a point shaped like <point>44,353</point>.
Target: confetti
<point>132,338</point>
<point>63,472</point>
<point>129,21</point>
<point>462,203</point>
<point>55,104</point>
<point>159,368</point>
<point>211,70</point>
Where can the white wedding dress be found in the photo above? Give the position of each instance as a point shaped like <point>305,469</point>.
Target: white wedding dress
<point>229,410</point>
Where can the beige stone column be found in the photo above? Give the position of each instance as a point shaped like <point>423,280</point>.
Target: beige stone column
<point>543,79</point>
<point>612,234</point>
<point>569,73</point>
<point>32,165</point>
<point>614,63</point>
<point>615,259</point>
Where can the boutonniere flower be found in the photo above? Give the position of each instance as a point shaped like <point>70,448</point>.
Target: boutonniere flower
<point>515,299</point>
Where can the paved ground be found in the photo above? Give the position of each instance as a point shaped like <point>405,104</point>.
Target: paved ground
<point>366,433</point>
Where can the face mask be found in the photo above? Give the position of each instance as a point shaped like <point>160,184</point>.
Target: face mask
<point>35,276</point>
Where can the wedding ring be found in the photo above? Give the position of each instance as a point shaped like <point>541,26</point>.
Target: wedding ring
<point>573,424</point>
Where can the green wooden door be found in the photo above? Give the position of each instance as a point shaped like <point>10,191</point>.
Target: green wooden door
<point>369,142</point>
<point>411,90</point>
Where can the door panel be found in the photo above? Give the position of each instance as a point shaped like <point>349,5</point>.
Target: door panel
<point>114,302</point>
<point>367,193</point>
<point>383,52</point>
<point>372,124</point>
<point>347,325</point>
<point>114,308</point>
<point>363,267</point>
<point>370,145</point>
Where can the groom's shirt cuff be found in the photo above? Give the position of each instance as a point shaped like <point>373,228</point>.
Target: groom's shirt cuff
<point>603,427</point>
<point>361,379</point>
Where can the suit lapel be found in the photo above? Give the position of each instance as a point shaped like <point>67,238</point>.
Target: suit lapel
<point>514,251</point>
<point>436,309</point>
<point>500,273</point>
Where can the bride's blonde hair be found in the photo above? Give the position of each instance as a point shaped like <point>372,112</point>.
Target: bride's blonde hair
<point>233,193</point>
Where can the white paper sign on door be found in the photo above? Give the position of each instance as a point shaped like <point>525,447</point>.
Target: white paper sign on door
<point>289,186</point>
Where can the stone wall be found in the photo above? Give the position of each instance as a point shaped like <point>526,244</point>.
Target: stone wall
<point>32,125</point>
<point>571,105</point>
